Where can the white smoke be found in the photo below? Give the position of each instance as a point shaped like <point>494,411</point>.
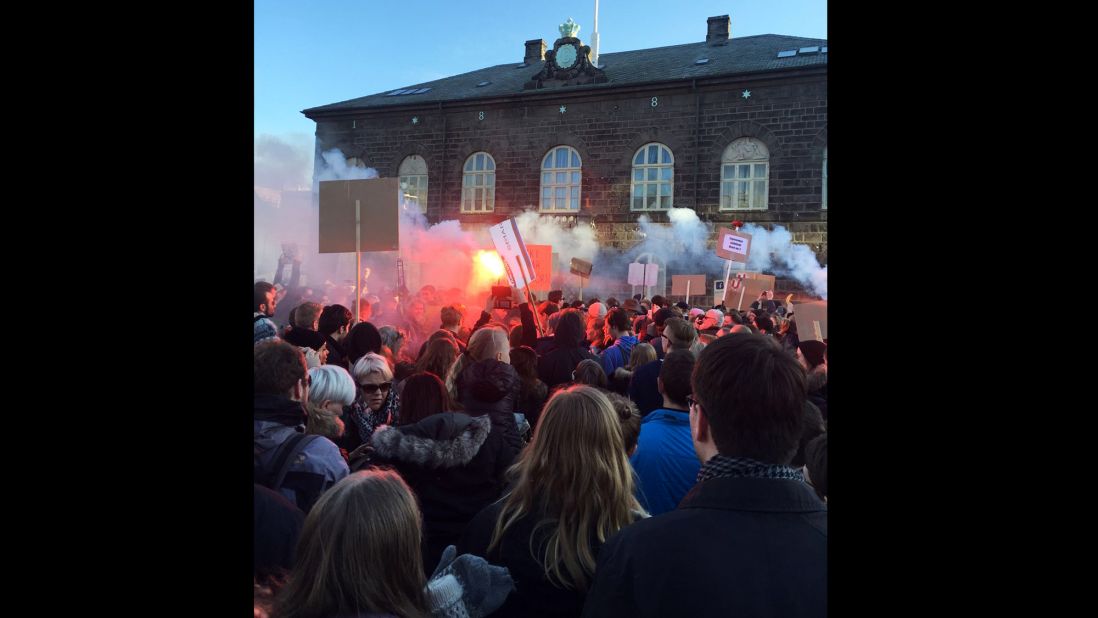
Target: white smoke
<point>282,163</point>
<point>333,166</point>
<point>774,251</point>
<point>538,229</point>
<point>443,254</point>
<point>280,209</point>
<point>681,245</point>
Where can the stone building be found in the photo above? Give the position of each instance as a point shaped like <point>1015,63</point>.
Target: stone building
<point>734,128</point>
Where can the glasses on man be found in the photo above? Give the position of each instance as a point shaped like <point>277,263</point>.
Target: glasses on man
<point>373,388</point>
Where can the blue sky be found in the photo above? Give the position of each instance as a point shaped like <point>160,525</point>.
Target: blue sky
<point>311,53</point>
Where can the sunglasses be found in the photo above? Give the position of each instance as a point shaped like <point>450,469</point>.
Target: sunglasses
<point>373,388</point>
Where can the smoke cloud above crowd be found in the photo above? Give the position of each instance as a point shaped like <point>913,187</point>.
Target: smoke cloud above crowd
<point>446,255</point>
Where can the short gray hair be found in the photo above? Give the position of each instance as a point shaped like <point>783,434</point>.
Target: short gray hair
<point>333,383</point>
<point>372,363</point>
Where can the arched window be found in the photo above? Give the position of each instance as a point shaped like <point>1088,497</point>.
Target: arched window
<point>561,171</point>
<point>413,180</point>
<point>478,185</point>
<point>653,178</point>
<point>745,175</point>
<point>355,162</point>
<point>824,206</point>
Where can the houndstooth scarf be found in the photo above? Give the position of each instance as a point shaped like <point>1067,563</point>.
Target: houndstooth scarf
<point>720,465</point>
<point>368,420</point>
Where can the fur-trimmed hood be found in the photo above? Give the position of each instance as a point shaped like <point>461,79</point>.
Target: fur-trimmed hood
<point>446,440</point>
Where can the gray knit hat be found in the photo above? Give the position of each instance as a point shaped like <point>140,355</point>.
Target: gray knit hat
<point>264,329</point>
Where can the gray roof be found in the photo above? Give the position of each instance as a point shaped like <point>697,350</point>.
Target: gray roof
<point>659,64</point>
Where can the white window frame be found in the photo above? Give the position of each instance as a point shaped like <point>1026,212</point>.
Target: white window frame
<point>485,176</point>
<point>752,154</point>
<point>650,184</point>
<point>413,179</point>
<point>569,186</point>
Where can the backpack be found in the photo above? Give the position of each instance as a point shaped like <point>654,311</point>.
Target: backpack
<point>276,474</point>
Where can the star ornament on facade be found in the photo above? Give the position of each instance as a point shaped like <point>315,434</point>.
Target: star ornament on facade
<point>746,94</point>
<point>415,119</point>
<point>563,108</point>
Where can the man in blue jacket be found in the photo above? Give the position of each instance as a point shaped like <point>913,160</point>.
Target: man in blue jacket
<point>280,385</point>
<point>750,539</point>
<point>618,327</point>
<point>665,462</point>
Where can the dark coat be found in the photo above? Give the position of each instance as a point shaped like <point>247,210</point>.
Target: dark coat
<point>534,594</point>
<point>764,305</point>
<point>305,338</point>
<point>276,526</point>
<point>453,462</point>
<point>557,366</point>
<point>492,388</point>
<point>734,547</point>
<point>643,388</point>
<point>275,419</point>
<point>545,345</point>
<point>336,354</point>
<point>531,400</point>
<point>529,326</point>
<point>819,397</point>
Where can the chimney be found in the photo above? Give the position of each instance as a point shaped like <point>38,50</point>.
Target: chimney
<point>535,51</point>
<point>718,31</point>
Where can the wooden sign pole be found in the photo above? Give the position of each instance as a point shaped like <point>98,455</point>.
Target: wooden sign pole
<point>358,261</point>
<point>727,271</point>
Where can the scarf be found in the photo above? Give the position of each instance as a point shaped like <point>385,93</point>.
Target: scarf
<point>722,466</point>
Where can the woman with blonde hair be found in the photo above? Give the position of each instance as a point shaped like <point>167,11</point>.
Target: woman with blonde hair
<point>438,357</point>
<point>376,403</point>
<point>487,342</point>
<point>359,553</point>
<point>642,354</point>
<point>573,489</point>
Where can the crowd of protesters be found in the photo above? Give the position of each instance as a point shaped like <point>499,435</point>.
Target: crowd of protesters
<point>591,457</point>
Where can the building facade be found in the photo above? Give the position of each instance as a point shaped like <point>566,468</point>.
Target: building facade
<point>734,128</point>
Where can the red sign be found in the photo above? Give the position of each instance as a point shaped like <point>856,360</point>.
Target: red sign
<point>542,257</point>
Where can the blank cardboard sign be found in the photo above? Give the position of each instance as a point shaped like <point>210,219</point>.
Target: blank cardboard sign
<point>735,300</point>
<point>580,267</point>
<point>811,320</point>
<point>643,274</point>
<point>750,288</point>
<point>770,279</point>
<point>379,207</point>
<point>678,285</point>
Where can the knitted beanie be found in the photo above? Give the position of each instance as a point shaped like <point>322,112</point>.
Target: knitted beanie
<point>264,329</point>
